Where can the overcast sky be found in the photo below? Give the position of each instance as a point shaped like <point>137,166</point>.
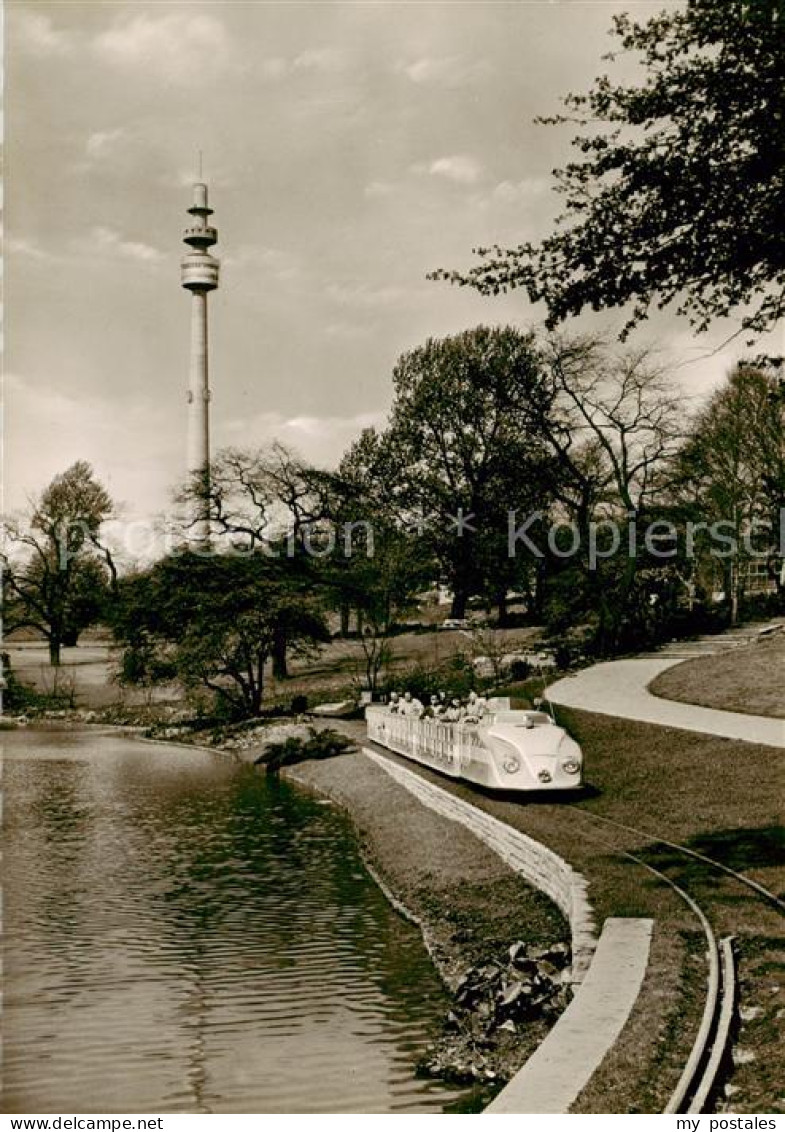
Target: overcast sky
<point>349,148</point>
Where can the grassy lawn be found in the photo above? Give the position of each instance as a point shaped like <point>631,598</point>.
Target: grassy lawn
<point>748,679</point>
<point>722,798</point>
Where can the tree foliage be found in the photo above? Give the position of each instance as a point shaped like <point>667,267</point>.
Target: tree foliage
<point>731,470</point>
<point>678,192</point>
<point>57,572</point>
<point>463,447</point>
<point>212,621</point>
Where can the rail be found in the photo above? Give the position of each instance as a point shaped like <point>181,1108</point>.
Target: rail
<point>701,1075</point>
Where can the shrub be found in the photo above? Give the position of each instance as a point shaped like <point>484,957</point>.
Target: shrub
<point>22,699</point>
<point>324,744</point>
<point>762,605</point>
<point>455,676</point>
<point>519,670</point>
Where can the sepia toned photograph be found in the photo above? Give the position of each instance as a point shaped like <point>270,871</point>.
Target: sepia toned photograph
<point>392,662</point>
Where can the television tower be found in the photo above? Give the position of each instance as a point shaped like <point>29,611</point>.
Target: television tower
<point>199,276</point>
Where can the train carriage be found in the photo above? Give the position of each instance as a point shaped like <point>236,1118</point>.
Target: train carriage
<point>505,750</point>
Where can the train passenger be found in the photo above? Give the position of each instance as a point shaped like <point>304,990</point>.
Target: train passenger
<point>481,706</point>
<point>475,708</point>
<point>411,706</point>
<point>455,712</point>
<point>431,709</point>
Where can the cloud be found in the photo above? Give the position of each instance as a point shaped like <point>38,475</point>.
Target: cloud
<point>29,249</point>
<point>449,70</point>
<point>322,59</point>
<point>515,192</point>
<point>364,296</point>
<point>103,142</point>
<point>106,240</point>
<point>184,48</point>
<point>271,263</point>
<point>323,440</point>
<point>517,195</point>
<point>378,189</point>
<point>274,68</point>
<point>135,461</point>
<point>348,331</point>
<point>317,60</point>
<point>459,168</point>
<point>37,35</point>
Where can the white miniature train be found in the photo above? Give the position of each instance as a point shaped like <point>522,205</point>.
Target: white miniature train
<point>505,750</point>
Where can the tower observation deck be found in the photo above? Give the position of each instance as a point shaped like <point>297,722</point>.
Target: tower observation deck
<point>199,275</point>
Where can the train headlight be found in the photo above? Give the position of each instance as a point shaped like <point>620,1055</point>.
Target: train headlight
<point>544,776</point>
<point>511,764</point>
<point>571,766</point>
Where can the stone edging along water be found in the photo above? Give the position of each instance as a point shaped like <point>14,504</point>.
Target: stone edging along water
<point>610,974</point>
<point>537,864</point>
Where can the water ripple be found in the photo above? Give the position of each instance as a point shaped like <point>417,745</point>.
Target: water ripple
<point>184,936</point>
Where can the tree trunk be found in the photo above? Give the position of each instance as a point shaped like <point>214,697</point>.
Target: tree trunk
<point>54,651</point>
<point>504,613</point>
<point>255,701</point>
<point>460,600</point>
<point>734,601</point>
<point>345,612</point>
<point>280,667</point>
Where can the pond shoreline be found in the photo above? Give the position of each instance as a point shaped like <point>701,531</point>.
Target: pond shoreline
<point>469,906</point>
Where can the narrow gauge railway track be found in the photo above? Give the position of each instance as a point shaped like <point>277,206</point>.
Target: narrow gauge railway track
<point>700,1078</point>
<point>711,1049</point>
<point>758,889</point>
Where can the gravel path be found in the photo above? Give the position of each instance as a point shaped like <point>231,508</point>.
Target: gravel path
<point>621,688</point>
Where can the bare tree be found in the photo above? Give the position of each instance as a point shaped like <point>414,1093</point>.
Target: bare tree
<point>616,429</point>
<point>731,472</point>
<point>259,496</point>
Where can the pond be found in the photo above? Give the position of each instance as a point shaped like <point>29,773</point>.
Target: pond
<point>184,935</point>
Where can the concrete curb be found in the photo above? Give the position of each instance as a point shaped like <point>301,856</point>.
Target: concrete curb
<point>563,1064</point>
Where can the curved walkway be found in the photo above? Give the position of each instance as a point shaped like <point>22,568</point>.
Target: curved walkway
<point>621,688</point>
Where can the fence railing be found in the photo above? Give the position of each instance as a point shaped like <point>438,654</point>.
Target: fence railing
<point>447,746</point>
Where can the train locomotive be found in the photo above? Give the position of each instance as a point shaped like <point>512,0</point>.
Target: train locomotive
<point>505,749</point>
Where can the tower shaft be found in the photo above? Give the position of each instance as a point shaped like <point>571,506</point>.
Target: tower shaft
<point>199,389</point>
<point>200,272</point>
